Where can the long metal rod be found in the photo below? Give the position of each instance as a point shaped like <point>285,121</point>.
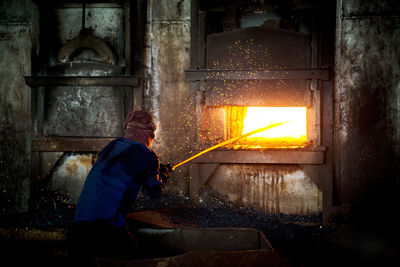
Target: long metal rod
<point>273,125</point>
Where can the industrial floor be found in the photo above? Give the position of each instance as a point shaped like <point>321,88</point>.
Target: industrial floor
<point>296,241</point>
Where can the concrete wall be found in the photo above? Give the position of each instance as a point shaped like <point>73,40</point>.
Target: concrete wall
<point>15,120</point>
<point>166,91</point>
<point>367,95</point>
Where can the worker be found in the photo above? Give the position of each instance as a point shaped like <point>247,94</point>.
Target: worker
<point>123,167</point>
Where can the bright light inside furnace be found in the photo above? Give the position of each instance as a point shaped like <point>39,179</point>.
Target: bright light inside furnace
<point>295,129</point>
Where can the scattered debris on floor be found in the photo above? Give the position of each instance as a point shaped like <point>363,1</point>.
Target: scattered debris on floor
<point>303,240</point>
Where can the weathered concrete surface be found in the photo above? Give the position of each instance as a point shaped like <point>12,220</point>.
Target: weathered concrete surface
<point>275,189</point>
<point>70,174</point>
<point>15,49</point>
<point>367,98</point>
<point>171,11</point>
<point>83,111</point>
<point>168,95</point>
<point>369,7</point>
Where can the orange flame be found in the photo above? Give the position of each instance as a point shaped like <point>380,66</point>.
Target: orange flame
<point>291,134</point>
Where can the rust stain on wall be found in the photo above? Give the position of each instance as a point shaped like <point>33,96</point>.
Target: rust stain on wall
<point>274,189</point>
<point>74,163</point>
<point>70,175</point>
<point>72,167</point>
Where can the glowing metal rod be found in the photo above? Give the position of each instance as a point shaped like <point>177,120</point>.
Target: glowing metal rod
<point>273,125</point>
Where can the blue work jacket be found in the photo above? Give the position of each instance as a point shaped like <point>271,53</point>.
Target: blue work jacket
<point>113,183</point>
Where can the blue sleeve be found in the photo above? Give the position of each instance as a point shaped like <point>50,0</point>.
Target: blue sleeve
<point>154,184</point>
<point>145,171</point>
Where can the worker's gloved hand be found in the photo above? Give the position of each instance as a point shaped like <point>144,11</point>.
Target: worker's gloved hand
<point>165,170</point>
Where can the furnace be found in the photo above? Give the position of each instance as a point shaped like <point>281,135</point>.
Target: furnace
<point>246,78</point>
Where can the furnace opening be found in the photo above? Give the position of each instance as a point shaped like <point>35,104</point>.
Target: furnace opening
<point>292,134</point>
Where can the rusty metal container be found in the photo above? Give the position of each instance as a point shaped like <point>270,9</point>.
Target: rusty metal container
<point>201,247</point>
<point>158,247</point>
<point>178,241</point>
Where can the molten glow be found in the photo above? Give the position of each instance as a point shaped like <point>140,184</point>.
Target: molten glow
<point>291,134</point>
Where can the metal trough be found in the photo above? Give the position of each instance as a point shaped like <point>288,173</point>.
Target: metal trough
<point>201,247</point>
<point>173,242</point>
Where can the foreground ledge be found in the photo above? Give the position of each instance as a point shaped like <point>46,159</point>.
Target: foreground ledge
<point>57,234</point>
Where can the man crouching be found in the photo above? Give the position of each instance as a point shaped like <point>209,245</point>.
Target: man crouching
<point>123,167</point>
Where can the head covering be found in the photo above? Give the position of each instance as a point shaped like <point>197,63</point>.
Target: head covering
<point>139,126</point>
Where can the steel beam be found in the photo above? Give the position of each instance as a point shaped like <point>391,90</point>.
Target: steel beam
<point>77,144</point>
<point>124,81</point>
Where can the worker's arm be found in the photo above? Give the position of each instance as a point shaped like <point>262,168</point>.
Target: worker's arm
<point>155,183</point>
<point>165,171</point>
